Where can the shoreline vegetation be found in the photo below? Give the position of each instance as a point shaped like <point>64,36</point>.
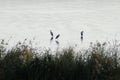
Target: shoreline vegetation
<point>101,61</point>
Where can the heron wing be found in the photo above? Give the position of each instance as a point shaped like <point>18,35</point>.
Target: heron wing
<point>57,42</point>
<point>51,38</point>
<point>51,33</point>
<point>57,36</point>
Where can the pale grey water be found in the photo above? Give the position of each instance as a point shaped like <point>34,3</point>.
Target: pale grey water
<point>99,19</point>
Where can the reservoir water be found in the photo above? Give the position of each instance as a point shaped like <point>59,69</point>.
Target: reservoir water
<point>33,19</point>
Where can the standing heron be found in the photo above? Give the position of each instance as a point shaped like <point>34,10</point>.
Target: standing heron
<point>81,35</point>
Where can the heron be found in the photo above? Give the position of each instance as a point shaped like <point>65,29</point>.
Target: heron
<point>52,37</point>
<point>82,35</point>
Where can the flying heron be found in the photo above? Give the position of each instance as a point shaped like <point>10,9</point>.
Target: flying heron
<point>52,37</point>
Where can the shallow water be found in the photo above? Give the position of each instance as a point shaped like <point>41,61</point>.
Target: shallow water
<point>99,19</point>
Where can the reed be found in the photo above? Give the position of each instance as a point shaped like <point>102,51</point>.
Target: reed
<point>99,62</point>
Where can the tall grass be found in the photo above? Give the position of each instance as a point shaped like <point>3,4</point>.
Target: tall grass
<point>99,62</point>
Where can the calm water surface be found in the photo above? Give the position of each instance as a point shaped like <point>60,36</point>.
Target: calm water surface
<point>99,19</point>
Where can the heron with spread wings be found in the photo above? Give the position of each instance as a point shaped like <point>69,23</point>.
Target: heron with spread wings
<point>52,37</point>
